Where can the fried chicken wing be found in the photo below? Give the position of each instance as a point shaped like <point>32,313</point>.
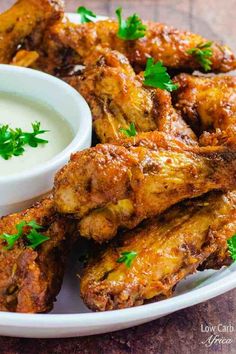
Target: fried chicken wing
<point>25,58</point>
<point>117,97</point>
<point>208,104</point>
<point>168,248</point>
<point>113,186</point>
<point>161,42</point>
<point>221,256</point>
<point>31,279</point>
<point>25,18</point>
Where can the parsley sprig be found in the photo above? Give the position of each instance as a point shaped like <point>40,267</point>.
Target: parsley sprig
<point>130,29</point>
<point>232,247</point>
<point>32,138</point>
<point>131,131</point>
<point>156,75</point>
<point>202,52</point>
<point>33,237</point>
<point>127,257</point>
<point>86,15</point>
<point>12,141</point>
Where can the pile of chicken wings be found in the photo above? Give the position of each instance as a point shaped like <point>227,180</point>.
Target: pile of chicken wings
<point>160,203</point>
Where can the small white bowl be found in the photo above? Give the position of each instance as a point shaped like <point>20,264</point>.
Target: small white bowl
<point>20,190</point>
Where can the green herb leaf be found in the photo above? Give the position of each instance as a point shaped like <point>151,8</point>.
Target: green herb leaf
<point>127,258</point>
<point>12,141</point>
<point>131,131</point>
<point>31,138</point>
<point>34,225</point>
<point>232,247</point>
<point>130,29</point>
<point>11,239</point>
<point>33,237</point>
<point>202,52</point>
<point>156,75</point>
<point>85,14</point>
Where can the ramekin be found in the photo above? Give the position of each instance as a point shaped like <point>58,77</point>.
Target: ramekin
<point>20,190</point>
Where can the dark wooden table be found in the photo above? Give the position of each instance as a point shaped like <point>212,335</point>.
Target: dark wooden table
<point>180,332</point>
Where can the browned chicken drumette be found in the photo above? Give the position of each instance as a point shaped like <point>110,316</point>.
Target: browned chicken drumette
<point>208,104</point>
<point>30,279</point>
<point>113,186</point>
<point>26,18</point>
<point>164,250</point>
<point>161,42</point>
<point>117,98</point>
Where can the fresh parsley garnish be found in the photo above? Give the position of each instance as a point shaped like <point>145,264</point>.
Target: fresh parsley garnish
<point>202,52</point>
<point>130,29</point>
<point>131,131</point>
<point>127,258</point>
<point>85,14</point>
<point>156,75</point>
<point>31,138</point>
<point>33,237</point>
<point>232,247</point>
<point>11,239</point>
<point>12,141</point>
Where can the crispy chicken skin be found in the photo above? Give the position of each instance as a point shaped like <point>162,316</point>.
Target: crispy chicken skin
<point>208,104</point>
<point>25,18</point>
<point>221,256</point>
<point>117,97</point>
<point>25,58</point>
<point>113,186</point>
<point>31,279</point>
<point>168,248</point>
<point>161,42</point>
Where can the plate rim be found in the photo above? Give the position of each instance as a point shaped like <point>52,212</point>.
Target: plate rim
<point>159,308</point>
<point>143,312</point>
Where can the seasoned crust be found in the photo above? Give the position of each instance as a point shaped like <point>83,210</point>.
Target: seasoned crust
<point>111,186</point>
<point>168,248</point>
<point>208,105</point>
<point>31,279</point>
<point>118,97</point>
<point>26,18</point>
<point>161,42</point>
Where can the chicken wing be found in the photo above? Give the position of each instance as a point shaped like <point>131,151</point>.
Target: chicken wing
<point>161,42</point>
<point>31,279</point>
<point>167,249</point>
<point>113,186</point>
<point>25,58</point>
<point>25,18</point>
<point>117,97</point>
<point>208,104</point>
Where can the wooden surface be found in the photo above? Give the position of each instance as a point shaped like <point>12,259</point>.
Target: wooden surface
<point>178,333</point>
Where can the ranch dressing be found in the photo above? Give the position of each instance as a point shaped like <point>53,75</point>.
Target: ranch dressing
<point>20,112</point>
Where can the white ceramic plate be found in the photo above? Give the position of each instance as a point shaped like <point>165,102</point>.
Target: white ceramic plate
<point>71,318</point>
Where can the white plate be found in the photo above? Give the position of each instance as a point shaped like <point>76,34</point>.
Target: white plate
<point>71,318</point>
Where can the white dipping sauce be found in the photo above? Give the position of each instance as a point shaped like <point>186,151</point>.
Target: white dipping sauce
<point>20,112</point>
